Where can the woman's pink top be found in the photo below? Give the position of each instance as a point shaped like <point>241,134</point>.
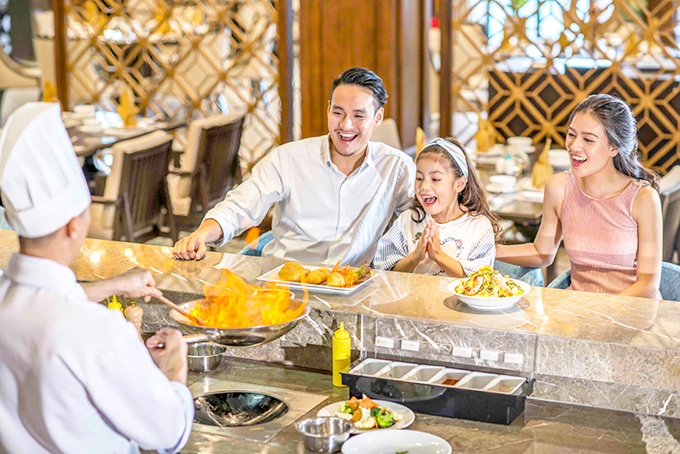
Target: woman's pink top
<point>601,238</point>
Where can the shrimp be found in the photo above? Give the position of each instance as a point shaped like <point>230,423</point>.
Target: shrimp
<point>502,286</point>
<point>477,282</point>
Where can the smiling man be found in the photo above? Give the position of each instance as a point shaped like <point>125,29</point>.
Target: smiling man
<point>333,195</point>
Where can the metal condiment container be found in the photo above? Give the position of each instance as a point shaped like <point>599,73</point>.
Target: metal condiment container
<point>325,433</point>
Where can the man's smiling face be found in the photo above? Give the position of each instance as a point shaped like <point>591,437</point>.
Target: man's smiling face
<point>351,119</point>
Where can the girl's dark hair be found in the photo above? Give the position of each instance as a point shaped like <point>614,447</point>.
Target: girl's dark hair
<point>619,123</point>
<point>471,197</point>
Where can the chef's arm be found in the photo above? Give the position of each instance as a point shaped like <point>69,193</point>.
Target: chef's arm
<point>135,396</point>
<point>134,283</point>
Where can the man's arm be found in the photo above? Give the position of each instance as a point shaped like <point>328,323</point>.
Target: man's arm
<point>243,208</point>
<point>405,189</point>
<point>153,407</point>
<point>134,283</point>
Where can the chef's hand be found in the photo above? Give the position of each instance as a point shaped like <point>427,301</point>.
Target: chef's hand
<point>172,358</point>
<point>134,283</point>
<point>137,283</point>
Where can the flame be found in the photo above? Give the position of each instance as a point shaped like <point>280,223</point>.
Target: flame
<point>252,237</point>
<point>233,303</point>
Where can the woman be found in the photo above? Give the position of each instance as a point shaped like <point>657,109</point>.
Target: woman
<point>606,207</point>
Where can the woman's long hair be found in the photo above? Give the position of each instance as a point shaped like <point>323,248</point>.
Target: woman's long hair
<point>619,123</point>
<point>472,197</point>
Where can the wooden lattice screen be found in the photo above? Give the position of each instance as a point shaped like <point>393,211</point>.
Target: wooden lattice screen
<point>525,65</point>
<point>182,59</point>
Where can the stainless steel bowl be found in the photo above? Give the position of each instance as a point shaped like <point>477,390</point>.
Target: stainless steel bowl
<point>232,337</point>
<point>325,433</point>
<point>204,356</point>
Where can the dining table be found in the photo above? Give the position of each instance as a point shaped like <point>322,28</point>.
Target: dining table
<point>87,143</point>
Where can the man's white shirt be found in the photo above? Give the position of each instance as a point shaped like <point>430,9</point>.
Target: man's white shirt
<point>321,215</point>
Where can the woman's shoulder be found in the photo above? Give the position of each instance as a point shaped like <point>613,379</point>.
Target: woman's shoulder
<point>557,182</point>
<point>646,201</point>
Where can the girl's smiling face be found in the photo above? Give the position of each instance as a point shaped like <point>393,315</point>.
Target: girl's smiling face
<point>437,189</point>
<point>588,146</point>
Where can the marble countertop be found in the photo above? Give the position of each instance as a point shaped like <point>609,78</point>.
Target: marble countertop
<point>543,427</point>
<point>567,314</point>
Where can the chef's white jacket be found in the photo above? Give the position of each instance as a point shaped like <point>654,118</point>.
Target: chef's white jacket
<point>320,214</point>
<point>74,375</point>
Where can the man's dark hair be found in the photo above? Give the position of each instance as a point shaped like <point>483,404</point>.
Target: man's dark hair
<point>366,79</point>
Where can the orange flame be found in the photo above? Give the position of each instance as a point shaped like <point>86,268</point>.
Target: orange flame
<point>233,303</point>
<point>252,237</point>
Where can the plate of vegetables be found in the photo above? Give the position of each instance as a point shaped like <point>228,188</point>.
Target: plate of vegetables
<point>343,280</point>
<point>487,289</point>
<point>367,414</point>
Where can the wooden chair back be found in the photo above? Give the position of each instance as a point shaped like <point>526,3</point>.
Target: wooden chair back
<point>670,206</point>
<point>143,190</point>
<point>218,167</point>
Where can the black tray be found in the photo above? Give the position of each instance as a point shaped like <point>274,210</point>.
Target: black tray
<point>441,400</point>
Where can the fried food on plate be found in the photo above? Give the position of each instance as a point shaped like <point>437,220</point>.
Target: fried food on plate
<point>318,277</point>
<point>335,279</point>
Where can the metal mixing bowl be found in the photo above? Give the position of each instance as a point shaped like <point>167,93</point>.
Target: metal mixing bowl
<point>204,356</point>
<point>325,433</point>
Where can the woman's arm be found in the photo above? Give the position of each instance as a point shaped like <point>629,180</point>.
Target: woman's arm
<point>647,214</point>
<point>542,251</point>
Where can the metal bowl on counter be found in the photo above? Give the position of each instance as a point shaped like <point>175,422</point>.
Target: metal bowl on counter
<point>325,434</point>
<point>204,356</point>
<point>232,337</point>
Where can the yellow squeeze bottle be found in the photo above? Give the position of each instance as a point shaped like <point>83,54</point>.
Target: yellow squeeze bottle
<point>115,305</point>
<point>341,354</point>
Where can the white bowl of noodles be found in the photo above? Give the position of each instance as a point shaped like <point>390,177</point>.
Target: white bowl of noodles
<point>487,301</point>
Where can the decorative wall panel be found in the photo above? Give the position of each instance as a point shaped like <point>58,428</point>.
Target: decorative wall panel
<point>182,59</point>
<point>525,65</point>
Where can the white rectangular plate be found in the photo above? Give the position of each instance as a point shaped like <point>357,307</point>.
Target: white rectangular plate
<point>273,276</point>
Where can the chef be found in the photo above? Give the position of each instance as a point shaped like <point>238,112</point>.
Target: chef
<point>333,195</point>
<point>74,376</point>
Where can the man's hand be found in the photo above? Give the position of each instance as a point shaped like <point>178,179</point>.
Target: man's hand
<point>137,283</point>
<point>172,358</point>
<point>191,247</point>
<point>134,283</point>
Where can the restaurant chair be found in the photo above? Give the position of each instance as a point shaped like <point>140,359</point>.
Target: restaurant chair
<point>669,286</point>
<point>387,133</point>
<point>15,75</point>
<point>210,167</point>
<point>136,192</point>
<point>4,225</point>
<point>532,276</point>
<point>669,192</point>
<point>254,249</point>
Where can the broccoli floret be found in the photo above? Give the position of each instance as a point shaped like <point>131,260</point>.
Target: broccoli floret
<point>375,411</point>
<point>385,420</point>
<point>344,408</point>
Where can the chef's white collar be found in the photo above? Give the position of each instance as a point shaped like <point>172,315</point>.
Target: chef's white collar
<point>41,273</point>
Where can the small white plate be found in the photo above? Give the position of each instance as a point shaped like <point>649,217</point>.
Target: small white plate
<point>384,442</point>
<point>90,129</point>
<point>122,132</point>
<point>532,196</point>
<point>496,190</point>
<point>490,304</point>
<point>405,412</point>
<point>527,186</point>
<point>273,276</point>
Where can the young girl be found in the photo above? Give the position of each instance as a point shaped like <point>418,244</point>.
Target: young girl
<point>450,229</point>
<point>606,207</point>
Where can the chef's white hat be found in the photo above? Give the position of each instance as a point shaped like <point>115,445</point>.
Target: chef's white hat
<point>42,184</point>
